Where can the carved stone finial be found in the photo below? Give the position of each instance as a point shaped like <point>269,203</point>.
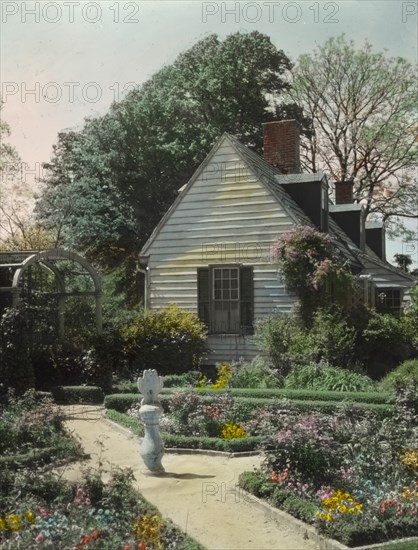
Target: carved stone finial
<point>150,385</point>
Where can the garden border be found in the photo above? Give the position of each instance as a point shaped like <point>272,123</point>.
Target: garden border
<point>310,532</point>
<point>307,530</point>
<point>182,451</point>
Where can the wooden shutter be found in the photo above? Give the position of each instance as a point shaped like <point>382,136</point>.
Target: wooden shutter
<point>203,295</point>
<point>247,300</point>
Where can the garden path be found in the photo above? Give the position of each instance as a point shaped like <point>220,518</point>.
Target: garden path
<point>198,492</point>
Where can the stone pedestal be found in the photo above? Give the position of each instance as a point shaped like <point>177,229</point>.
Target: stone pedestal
<point>152,448</point>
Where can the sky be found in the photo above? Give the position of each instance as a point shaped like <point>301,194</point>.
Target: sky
<point>67,60</point>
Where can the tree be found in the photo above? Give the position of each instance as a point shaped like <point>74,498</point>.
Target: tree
<point>9,159</point>
<point>403,261</point>
<point>110,183</point>
<point>18,228</point>
<point>363,107</point>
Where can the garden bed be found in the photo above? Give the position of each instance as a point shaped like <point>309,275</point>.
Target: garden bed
<point>186,442</point>
<point>39,509</point>
<point>354,479</point>
<point>345,469</point>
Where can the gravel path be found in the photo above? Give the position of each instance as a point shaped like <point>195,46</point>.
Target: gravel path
<point>197,492</point>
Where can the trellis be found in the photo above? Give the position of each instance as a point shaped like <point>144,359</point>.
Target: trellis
<point>18,280</point>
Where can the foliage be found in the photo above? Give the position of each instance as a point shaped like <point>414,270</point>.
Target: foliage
<point>170,340</point>
<point>77,394</point>
<point>322,377</point>
<point>191,415</point>
<point>288,342</point>
<point>87,514</point>
<point>362,105</point>
<point>305,448</point>
<point>32,432</point>
<point>74,361</point>
<point>223,378</point>
<point>110,183</point>
<point>411,317</point>
<point>259,373</point>
<point>310,263</point>
<point>406,373</point>
<point>387,342</point>
<point>15,364</point>
<point>355,472</point>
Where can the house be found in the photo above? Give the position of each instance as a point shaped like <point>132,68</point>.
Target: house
<point>212,251</point>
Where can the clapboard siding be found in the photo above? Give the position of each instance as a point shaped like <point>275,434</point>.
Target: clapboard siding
<point>230,347</point>
<point>226,216</point>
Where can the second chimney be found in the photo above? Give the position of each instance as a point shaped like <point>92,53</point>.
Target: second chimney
<point>344,192</point>
<point>281,145</point>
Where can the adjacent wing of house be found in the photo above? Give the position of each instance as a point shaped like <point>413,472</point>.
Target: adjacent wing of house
<point>212,251</point>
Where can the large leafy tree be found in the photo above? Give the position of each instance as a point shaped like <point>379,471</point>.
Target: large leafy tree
<point>110,183</point>
<point>363,107</point>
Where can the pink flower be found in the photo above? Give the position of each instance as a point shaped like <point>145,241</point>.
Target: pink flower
<point>44,512</point>
<point>40,537</point>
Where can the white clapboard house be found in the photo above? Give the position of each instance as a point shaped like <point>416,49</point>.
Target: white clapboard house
<point>212,251</point>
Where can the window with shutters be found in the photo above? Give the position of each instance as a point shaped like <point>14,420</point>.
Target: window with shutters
<point>225,298</point>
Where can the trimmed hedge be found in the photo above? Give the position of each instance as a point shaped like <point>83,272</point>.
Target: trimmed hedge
<point>122,402</point>
<point>309,395</point>
<point>77,394</point>
<point>187,442</point>
<point>280,393</point>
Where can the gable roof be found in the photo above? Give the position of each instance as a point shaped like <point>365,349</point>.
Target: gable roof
<point>261,170</point>
<point>275,181</point>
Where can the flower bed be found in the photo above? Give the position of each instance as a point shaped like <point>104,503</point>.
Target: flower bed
<point>354,477</point>
<point>32,433</point>
<point>38,509</point>
<point>91,515</point>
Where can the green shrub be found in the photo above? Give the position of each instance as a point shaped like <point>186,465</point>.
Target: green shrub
<point>170,340</point>
<point>255,483</point>
<point>287,341</point>
<point>181,380</point>
<point>307,394</point>
<point>77,394</point>
<point>245,405</point>
<point>405,374</point>
<point>257,374</point>
<point>325,378</point>
<point>189,442</point>
<point>16,369</point>
<point>70,362</point>
<point>387,342</point>
<point>300,509</point>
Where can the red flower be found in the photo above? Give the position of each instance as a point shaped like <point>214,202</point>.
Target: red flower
<point>96,534</point>
<point>141,546</point>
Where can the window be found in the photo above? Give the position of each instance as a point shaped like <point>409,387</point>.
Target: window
<point>388,299</point>
<point>225,298</point>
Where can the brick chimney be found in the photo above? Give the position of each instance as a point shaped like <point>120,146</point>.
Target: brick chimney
<point>281,145</point>
<point>344,192</point>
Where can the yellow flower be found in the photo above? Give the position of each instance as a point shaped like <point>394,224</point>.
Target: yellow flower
<point>410,459</point>
<point>230,430</point>
<point>30,517</point>
<point>14,522</point>
<point>3,525</point>
<point>147,530</point>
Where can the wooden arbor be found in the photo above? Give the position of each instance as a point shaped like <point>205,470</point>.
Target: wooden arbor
<point>15,279</point>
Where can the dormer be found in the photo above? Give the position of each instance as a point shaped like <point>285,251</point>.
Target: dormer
<point>351,219</point>
<point>310,192</point>
<point>376,239</point>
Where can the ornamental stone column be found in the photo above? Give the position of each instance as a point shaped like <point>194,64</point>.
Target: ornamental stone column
<point>152,448</point>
